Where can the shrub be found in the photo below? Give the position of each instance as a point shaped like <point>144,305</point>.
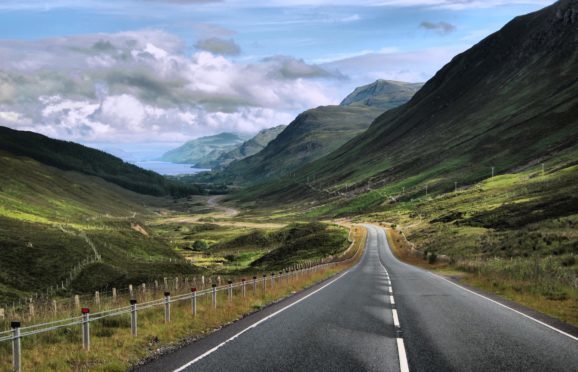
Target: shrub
<point>200,245</point>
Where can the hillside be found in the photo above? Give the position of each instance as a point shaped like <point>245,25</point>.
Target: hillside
<point>508,102</point>
<point>202,152</point>
<point>476,175</point>
<point>319,131</point>
<point>72,156</point>
<point>249,147</point>
<point>52,221</point>
<point>385,94</point>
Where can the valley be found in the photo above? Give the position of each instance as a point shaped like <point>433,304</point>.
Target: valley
<point>450,205</point>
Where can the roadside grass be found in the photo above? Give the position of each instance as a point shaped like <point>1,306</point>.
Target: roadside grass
<point>114,349</point>
<point>543,284</point>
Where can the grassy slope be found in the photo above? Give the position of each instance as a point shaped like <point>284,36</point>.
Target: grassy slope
<point>46,217</point>
<point>311,135</point>
<point>72,156</point>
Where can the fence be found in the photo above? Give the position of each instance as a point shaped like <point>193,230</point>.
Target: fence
<point>242,287</point>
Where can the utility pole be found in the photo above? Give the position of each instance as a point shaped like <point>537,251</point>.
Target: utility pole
<point>403,190</point>
<point>493,172</point>
<point>455,187</point>
<point>426,190</point>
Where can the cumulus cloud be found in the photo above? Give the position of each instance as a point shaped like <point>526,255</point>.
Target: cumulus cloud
<point>143,86</point>
<point>227,47</point>
<point>441,27</point>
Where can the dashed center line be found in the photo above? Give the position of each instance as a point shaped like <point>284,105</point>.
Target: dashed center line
<point>403,363</point>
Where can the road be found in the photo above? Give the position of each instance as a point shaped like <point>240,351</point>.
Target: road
<point>347,324</point>
<point>214,201</point>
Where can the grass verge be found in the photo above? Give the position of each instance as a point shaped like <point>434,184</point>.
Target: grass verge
<point>506,278</point>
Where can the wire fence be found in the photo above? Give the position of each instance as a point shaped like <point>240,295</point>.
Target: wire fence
<point>239,287</point>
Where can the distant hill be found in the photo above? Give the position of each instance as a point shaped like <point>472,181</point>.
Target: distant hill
<point>248,148</point>
<point>72,156</point>
<point>384,94</point>
<point>508,102</point>
<point>201,152</point>
<point>317,132</point>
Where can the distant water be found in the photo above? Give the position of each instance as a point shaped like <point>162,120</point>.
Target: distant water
<point>169,169</point>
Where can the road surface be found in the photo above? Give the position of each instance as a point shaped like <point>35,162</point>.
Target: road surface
<point>348,324</point>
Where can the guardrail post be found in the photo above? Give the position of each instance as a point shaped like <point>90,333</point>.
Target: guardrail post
<point>85,328</point>
<point>264,282</point>
<point>254,285</point>
<point>194,301</point>
<point>133,318</point>
<point>230,290</point>
<point>272,280</point>
<point>167,307</point>
<point>16,355</point>
<point>244,289</point>
<point>214,295</point>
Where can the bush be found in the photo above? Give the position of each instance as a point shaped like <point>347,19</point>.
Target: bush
<point>200,245</point>
<point>432,258</point>
<point>568,261</point>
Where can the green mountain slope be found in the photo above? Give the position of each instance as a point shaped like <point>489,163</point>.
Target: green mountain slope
<point>72,156</point>
<point>385,94</point>
<point>201,152</point>
<point>319,131</point>
<point>52,221</point>
<point>249,147</point>
<point>508,102</point>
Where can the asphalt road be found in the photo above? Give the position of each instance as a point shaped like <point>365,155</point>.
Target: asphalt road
<point>348,324</point>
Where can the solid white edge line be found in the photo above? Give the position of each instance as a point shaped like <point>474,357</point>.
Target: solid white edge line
<point>496,302</point>
<point>507,307</point>
<point>392,300</point>
<point>254,325</point>
<point>403,366</point>
<point>395,318</point>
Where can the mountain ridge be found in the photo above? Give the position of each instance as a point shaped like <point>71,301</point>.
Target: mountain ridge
<point>505,102</point>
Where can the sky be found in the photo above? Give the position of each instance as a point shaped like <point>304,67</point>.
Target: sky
<point>139,77</point>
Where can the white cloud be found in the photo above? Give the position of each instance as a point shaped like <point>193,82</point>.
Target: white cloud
<point>141,86</point>
<point>396,65</point>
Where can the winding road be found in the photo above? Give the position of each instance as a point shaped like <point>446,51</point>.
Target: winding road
<point>382,315</point>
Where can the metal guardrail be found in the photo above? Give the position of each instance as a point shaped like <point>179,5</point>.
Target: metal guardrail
<point>18,332</point>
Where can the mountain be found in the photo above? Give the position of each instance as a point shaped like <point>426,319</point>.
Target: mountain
<point>249,147</point>
<point>508,102</point>
<point>72,156</point>
<point>385,94</point>
<point>317,132</point>
<point>202,151</point>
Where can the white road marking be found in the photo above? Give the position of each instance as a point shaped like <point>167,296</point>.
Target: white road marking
<point>403,366</point>
<point>507,307</point>
<point>256,324</point>
<point>395,318</point>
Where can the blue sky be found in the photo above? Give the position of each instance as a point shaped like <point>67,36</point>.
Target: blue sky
<point>123,73</point>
